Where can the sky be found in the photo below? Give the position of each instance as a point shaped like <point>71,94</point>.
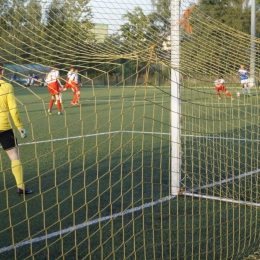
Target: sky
<point>110,11</point>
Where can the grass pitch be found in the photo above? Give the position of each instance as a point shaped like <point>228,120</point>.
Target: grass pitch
<point>101,177</point>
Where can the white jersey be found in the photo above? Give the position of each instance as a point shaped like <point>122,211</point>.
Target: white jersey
<point>69,74</point>
<point>52,76</point>
<point>219,82</point>
<point>243,73</point>
<point>74,77</point>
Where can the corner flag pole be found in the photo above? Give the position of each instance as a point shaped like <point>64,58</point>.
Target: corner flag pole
<point>175,99</point>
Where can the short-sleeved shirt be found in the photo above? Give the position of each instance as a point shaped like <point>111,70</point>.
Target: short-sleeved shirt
<point>243,74</point>
<point>219,82</point>
<point>69,74</point>
<point>8,105</point>
<point>74,77</point>
<point>52,76</point>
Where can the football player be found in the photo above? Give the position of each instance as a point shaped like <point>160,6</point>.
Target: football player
<point>220,86</point>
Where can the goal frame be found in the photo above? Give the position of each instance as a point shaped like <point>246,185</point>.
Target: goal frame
<point>175,99</point>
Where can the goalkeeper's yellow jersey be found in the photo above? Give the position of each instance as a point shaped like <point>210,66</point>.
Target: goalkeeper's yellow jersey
<point>8,105</point>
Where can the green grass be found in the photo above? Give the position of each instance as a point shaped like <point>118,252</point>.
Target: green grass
<point>112,155</point>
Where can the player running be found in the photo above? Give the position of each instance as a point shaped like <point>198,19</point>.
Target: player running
<point>220,86</point>
<point>243,73</point>
<point>53,82</point>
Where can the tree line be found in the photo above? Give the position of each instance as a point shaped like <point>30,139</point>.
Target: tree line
<point>33,32</point>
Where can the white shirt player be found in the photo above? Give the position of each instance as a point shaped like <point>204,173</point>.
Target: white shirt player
<point>243,73</point>
<point>219,82</point>
<point>69,74</point>
<point>74,77</point>
<point>52,76</point>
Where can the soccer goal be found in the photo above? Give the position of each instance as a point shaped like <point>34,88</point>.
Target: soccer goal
<point>159,160</point>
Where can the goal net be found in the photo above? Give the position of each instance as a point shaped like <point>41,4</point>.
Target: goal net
<point>101,172</point>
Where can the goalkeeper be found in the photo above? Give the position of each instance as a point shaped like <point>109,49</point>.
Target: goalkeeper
<point>220,86</point>
<point>7,138</point>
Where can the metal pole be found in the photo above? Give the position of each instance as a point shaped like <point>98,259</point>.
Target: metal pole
<point>175,99</point>
<point>252,50</point>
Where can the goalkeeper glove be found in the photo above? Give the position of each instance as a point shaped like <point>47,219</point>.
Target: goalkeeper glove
<point>23,133</point>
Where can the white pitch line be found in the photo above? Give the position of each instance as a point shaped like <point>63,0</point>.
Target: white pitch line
<point>127,101</point>
<point>150,101</point>
<point>136,132</point>
<point>88,223</point>
<point>221,199</point>
<point>102,100</point>
<point>223,138</point>
<point>91,135</point>
<point>68,138</point>
<point>226,180</point>
<point>129,211</point>
<point>209,103</point>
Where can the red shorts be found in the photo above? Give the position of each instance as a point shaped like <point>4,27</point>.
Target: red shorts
<point>67,85</point>
<point>74,86</point>
<point>54,88</point>
<point>220,88</point>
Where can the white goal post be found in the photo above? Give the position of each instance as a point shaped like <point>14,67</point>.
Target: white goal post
<point>175,99</point>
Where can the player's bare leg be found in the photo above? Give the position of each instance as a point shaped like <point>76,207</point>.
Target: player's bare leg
<point>77,97</point>
<point>74,97</point>
<point>75,101</point>
<point>61,98</point>
<point>229,95</point>
<point>243,88</point>
<point>58,103</point>
<point>51,104</point>
<point>248,88</point>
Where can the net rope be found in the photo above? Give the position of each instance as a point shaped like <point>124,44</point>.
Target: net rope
<point>101,172</point>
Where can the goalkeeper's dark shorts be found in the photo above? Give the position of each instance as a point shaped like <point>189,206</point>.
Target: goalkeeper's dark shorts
<point>7,139</point>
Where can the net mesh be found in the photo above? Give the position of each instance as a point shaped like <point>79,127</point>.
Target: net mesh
<point>101,172</point>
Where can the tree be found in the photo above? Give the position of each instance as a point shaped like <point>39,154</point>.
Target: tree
<point>160,18</point>
<point>67,21</point>
<point>236,14</point>
<point>15,23</point>
<point>134,31</point>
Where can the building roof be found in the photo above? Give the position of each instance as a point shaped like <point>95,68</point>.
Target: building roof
<point>25,69</point>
